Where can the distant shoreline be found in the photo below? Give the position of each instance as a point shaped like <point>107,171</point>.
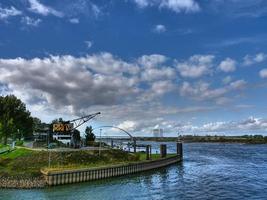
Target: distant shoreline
<point>246,139</point>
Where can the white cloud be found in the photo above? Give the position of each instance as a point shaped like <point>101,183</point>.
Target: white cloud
<point>106,63</point>
<point>251,60</point>
<point>142,3</point>
<point>237,85</point>
<point>249,126</point>
<point>30,21</point>
<point>180,5</point>
<point>162,87</point>
<point>128,125</point>
<point>263,73</point>
<point>69,81</point>
<point>177,6</point>
<point>150,61</point>
<point>9,12</point>
<point>74,21</point>
<point>159,28</point>
<point>89,44</point>
<point>39,8</point>
<point>202,91</point>
<point>245,125</point>
<point>196,66</point>
<point>228,65</point>
<point>152,74</point>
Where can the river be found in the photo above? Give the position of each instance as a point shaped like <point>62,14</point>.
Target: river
<point>209,171</point>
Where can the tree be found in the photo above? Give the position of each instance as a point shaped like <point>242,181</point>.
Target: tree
<point>76,138</point>
<point>89,135</point>
<point>15,119</point>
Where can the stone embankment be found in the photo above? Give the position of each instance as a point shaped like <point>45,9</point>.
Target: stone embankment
<point>22,183</point>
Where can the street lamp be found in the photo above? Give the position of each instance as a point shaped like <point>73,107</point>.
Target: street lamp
<point>100,130</point>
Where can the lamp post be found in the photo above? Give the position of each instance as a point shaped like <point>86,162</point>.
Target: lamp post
<point>49,153</point>
<point>100,130</point>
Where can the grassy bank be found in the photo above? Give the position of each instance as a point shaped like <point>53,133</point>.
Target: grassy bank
<point>25,163</point>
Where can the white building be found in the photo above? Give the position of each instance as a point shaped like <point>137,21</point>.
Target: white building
<point>64,138</point>
<point>158,132</point>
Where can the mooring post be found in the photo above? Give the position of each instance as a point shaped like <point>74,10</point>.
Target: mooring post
<point>147,152</point>
<point>150,151</point>
<point>179,148</point>
<point>163,150</point>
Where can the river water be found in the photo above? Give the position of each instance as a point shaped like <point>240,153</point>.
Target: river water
<point>209,171</point>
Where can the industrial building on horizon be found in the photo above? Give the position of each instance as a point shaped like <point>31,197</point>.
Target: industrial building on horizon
<point>157,132</point>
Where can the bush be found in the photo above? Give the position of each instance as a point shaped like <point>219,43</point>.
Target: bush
<point>19,143</point>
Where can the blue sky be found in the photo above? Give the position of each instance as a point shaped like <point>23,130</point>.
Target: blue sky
<point>198,67</point>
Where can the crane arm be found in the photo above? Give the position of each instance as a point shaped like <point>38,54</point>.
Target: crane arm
<point>81,120</point>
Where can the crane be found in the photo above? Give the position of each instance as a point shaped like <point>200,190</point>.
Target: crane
<point>73,124</point>
<point>81,120</point>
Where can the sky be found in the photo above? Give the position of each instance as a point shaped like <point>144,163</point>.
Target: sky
<point>186,66</point>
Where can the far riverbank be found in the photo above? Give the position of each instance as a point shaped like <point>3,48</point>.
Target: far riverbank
<point>246,139</point>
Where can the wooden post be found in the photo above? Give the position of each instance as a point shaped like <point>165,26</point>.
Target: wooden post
<point>163,150</point>
<point>147,152</point>
<point>179,148</point>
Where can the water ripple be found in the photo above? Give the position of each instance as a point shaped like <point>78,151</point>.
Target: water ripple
<point>209,171</point>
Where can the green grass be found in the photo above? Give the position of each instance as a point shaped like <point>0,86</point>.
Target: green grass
<point>16,153</point>
<point>2,146</point>
<point>153,156</point>
<point>23,162</point>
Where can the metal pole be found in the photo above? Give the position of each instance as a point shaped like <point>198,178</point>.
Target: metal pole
<point>49,153</point>
<point>100,130</point>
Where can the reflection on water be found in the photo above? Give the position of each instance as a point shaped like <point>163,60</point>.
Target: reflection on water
<point>209,171</point>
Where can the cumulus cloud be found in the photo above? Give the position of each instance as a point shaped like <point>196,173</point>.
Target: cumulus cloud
<point>161,87</point>
<point>152,74</point>
<point>69,81</point>
<point>129,94</point>
<point>39,8</point>
<point>254,59</point>
<point>263,73</point>
<point>196,66</point>
<point>177,6</point>
<point>128,125</point>
<point>30,21</point>
<point>5,13</point>
<point>202,90</point>
<point>228,65</point>
<point>244,125</point>
<point>250,125</point>
<point>150,61</point>
<point>159,28</point>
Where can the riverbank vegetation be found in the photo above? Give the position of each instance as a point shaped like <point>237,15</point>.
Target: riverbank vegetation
<point>26,163</point>
<point>15,120</point>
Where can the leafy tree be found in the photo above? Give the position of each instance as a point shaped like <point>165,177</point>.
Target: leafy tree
<point>76,138</point>
<point>89,135</point>
<point>14,118</point>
